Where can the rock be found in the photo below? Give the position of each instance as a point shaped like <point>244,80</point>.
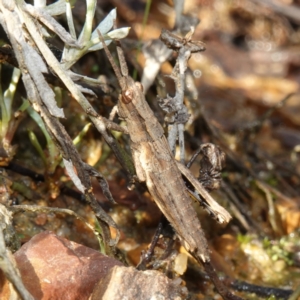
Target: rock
<point>55,268</point>
<point>127,283</point>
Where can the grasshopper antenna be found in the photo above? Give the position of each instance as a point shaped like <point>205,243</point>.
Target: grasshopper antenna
<point>122,61</point>
<point>113,64</point>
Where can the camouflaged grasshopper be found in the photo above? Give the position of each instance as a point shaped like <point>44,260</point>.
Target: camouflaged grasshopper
<point>156,166</point>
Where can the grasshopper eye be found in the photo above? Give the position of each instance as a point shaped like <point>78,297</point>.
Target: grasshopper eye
<point>127,96</point>
<point>139,86</point>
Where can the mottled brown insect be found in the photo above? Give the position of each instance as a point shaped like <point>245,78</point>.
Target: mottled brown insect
<point>156,166</point>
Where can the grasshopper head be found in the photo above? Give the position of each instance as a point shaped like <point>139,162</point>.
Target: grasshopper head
<point>132,91</point>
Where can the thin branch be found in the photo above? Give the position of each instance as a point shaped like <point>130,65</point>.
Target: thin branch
<point>7,263</point>
<point>177,114</point>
